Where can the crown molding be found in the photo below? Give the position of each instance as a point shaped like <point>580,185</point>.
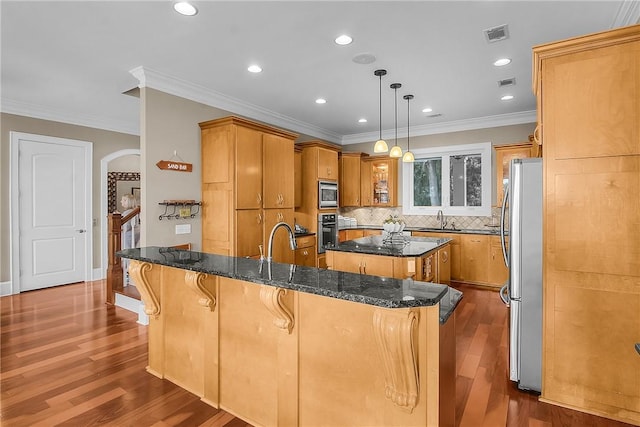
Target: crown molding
<point>18,108</point>
<point>184,89</point>
<point>447,127</point>
<point>628,14</point>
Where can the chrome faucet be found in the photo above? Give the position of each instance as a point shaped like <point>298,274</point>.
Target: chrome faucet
<point>292,238</point>
<point>443,222</point>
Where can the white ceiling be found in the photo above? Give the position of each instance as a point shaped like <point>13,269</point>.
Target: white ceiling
<point>71,61</point>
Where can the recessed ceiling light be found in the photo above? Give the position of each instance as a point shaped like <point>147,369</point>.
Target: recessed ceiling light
<point>427,110</point>
<point>321,101</point>
<point>343,40</point>
<point>185,8</point>
<point>362,121</point>
<point>502,62</point>
<point>254,69</point>
<point>507,97</point>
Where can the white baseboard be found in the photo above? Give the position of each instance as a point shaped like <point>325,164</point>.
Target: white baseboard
<point>133,305</point>
<point>5,289</point>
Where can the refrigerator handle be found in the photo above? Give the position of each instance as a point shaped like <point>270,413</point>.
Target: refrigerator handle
<point>504,294</point>
<point>503,239</point>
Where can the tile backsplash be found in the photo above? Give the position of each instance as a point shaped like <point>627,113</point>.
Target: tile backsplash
<point>376,216</point>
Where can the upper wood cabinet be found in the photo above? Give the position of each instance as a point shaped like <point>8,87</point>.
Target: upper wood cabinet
<point>297,177</point>
<point>379,181</point>
<point>278,172</point>
<point>504,155</point>
<point>248,177</point>
<point>588,91</point>
<point>320,159</point>
<point>247,169</point>
<point>327,164</point>
<point>350,179</point>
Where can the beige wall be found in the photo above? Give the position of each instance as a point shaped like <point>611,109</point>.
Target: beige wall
<point>168,124</point>
<point>104,143</point>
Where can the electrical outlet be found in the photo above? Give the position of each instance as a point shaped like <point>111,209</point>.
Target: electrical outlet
<point>183,228</point>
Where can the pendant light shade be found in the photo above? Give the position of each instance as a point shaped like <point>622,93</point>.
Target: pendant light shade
<point>381,145</point>
<point>396,151</point>
<point>408,156</point>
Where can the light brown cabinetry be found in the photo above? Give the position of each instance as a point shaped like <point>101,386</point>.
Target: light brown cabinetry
<point>350,234</point>
<point>444,265</point>
<point>498,271</point>
<point>297,177</point>
<point>589,123</point>
<point>455,251</point>
<point>327,164</point>
<point>306,251</point>
<point>278,172</point>
<point>379,181</point>
<point>474,258</point>
<point>475,250</point>
<point>247,186</point>
<point>373,265</point>
<point>350,179</point>
<point>504,155</point>
<point>251,222</point>
<point>431,267</point>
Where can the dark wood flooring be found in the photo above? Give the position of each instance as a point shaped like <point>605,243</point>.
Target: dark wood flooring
<point>66,359</point>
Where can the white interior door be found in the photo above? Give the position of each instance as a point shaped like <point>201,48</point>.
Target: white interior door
<point>54,223</point>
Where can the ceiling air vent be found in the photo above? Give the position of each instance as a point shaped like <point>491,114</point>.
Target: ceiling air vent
<point>507,82</point>
<point>432,116</point>
<point>496,34</point>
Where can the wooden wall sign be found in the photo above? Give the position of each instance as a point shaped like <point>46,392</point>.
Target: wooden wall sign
<point>170,165</point>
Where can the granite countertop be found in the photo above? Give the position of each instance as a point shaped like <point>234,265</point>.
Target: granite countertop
<point>399,246</point>
<point>490,231</point>
<point>363,289</point>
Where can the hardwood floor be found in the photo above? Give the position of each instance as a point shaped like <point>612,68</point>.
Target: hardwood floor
<point>69,360</point>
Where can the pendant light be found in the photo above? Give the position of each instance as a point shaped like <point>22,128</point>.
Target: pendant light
<point>408,156</point>
<point>380,146</point>
<point>396,151</point>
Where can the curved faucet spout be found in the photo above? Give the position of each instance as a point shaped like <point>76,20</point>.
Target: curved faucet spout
<point>292,238</point>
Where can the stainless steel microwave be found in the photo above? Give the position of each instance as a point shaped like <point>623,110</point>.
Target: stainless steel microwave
<point>327,194</point>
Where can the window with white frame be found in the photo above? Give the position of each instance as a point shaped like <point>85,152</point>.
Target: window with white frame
<point>455,180</point>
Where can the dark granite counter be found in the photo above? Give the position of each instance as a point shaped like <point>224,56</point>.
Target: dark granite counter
<point>371,290</point>
<point>402,246</point>
<point>490,231</point>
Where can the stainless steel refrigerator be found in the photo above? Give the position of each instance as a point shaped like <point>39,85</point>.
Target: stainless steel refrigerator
<point>523,291</point>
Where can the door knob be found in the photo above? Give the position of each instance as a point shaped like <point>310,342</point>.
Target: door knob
<point>81,231</point>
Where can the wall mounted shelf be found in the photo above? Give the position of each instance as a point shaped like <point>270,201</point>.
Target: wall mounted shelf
<point>179,209</point>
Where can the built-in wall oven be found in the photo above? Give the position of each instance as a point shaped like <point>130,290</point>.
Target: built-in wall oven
<point>327,194</point>
<point>327,232</point>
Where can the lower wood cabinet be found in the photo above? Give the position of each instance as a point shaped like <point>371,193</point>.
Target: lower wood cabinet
<point>374,265</point>
<point>474,258</point>
<point>306,251</point>
<point>350,234</point>
<point>498,271</point>
<point>432,267</point>
<point>475,250</point>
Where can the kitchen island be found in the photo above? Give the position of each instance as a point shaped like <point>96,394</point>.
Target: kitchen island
<point>285,345</point>
<point>420,258</point>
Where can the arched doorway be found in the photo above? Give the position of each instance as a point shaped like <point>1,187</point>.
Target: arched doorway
<point>107,182</point>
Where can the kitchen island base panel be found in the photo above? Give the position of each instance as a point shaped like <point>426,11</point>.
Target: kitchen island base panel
<point>279,357</point>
